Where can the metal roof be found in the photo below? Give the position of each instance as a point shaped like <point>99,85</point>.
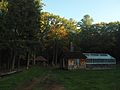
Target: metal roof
<point>74,55</point>
<point>98,56</point>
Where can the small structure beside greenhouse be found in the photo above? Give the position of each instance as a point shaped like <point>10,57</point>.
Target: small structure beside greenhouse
<point>73,60</point>
<point>78,60</point>
<point>99,61</point>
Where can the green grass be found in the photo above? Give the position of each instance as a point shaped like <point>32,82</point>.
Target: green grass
<point>90,80</point>
<point>12,81</point>
<point>71,80</point>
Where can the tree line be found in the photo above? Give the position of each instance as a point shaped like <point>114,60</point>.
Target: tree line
<point>27,32</point>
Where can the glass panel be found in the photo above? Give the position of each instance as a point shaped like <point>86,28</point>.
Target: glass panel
<point>77,61</point>
<point>94,54</point>
<point>89,61</point>
<point>103,54</point>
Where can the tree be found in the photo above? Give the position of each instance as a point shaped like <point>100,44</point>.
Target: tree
<point>86,21</point>
<point>54,34</point>
<point>3,34</point>
<point>23,24</point>
<point>3,11</point>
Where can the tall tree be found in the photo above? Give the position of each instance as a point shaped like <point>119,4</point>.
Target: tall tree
<point>3,34</point>
<point>56,33</point>
<point>86,21</point>
<point>23,24</point>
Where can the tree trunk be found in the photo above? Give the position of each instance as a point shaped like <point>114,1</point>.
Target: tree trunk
<point>0,62</point>
<point>56,52</point>
<point>61,64</point>
<point>56,55</point>
<point>28,61</point>
<point>18,63</point>
<point>34,62</point>
<point>13,60</point>
<point>53,60</point>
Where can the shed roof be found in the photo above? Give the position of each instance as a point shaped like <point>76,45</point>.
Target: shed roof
<point>98,56</point>
<point>73,55</point>
<point>40,58</point>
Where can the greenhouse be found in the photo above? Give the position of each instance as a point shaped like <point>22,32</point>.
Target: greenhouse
<point>99,60</point>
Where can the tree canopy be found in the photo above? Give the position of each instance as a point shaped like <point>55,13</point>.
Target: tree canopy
<point>27,32</point>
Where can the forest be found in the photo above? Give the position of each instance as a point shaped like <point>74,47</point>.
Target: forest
<point>26,31</point>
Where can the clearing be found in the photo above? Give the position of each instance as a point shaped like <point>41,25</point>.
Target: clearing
<point>38,78</point>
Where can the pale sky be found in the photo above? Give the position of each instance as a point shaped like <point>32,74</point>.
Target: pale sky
<point>99,10</point>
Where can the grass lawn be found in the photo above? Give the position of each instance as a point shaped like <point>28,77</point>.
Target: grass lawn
<point>14,80</point>
<point>90,80</point>
<point>38,78</point>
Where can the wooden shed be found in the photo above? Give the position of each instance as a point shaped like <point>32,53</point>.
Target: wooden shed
<point>40,60</point>
<point>73,60</point>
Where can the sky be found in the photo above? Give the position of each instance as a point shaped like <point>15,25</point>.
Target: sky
<point>99,10</point>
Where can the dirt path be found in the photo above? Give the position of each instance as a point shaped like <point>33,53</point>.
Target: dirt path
<point>28,85</point>
<point>46,81</point>
<point>31,85</point>
<point>54,87</point>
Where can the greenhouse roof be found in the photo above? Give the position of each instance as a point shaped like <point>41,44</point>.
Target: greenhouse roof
<point>98,56</point>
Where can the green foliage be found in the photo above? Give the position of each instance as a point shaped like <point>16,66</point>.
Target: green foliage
<point>3,5</point>
<point>55,33</point>
<point>99,37</point>
<point>24,28</point>
<point>86,21</point>
<point>23,18</point>
<point>19,27</point>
